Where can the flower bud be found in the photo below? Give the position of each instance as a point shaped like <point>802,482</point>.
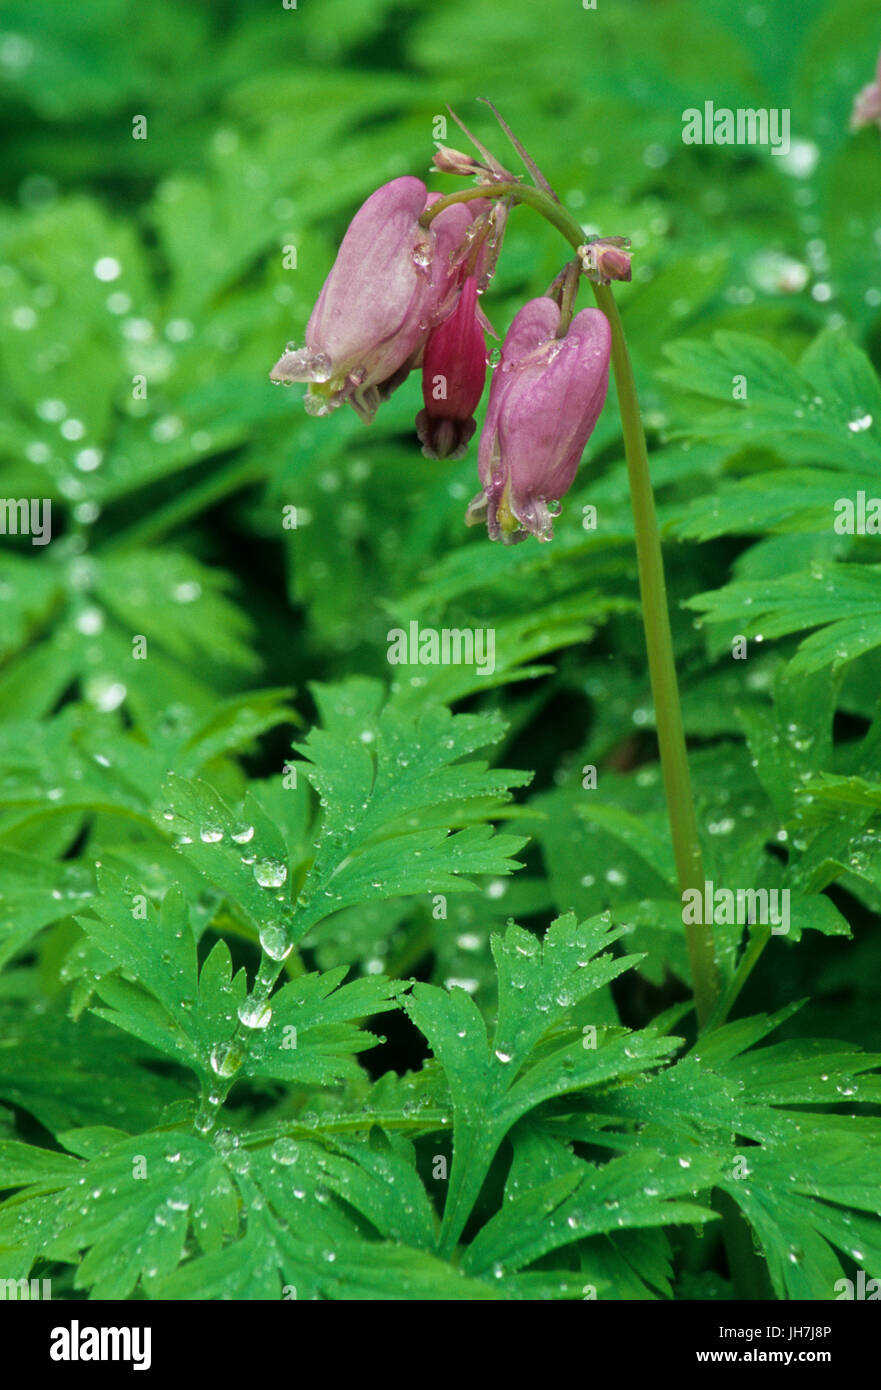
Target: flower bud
<point>606,258</point>
<point>867,103</point>
<point>453,377</point>
<point>545,399</point>
<point>450,161</point>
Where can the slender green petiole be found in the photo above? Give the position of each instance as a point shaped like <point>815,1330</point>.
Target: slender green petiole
<point>759,939</point>
<point>662,668</point>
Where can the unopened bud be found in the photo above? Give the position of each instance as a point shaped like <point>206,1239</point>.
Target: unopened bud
<point>453,376</point>
<point>606,258</point>
<point>451,161</point>
<point>867,103</point>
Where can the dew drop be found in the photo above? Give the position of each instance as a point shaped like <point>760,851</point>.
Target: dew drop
<point>285,1151</point>
<point>273,939</point>
<point>254,1013</point>
<point>270,873</point>
<point>107,268</point>
<point>860,423</point>
<point>186,592</point>
<point>225,1060</point>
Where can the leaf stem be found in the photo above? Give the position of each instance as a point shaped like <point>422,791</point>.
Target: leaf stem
<point>749,1276</point>
<point>653,591</point>
<point>231,1054</point>
<point>724,1004</point>
<point>662,667</point>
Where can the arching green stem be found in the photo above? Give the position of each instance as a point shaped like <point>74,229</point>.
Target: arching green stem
<point>653,591</point>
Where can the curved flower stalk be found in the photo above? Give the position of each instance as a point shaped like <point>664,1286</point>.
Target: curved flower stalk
<point>545,399</point>
<point>412,260</point>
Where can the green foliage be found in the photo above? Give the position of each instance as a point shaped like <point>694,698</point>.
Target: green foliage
<point>325,978</point>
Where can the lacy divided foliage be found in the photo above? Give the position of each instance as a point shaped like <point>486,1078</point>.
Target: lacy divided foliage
<point>544,1151</point>
<point>196,1096</point>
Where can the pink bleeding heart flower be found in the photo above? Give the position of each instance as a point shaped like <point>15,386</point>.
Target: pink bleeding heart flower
<point>392,281</point>
<point>545,399</point>
<point>453,377</point>
<point>867,103</point>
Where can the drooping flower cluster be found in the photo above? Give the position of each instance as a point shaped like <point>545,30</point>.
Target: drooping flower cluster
<point>404,293</point>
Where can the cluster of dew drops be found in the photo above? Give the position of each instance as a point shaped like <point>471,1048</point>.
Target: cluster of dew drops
<point>254,1012</point>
